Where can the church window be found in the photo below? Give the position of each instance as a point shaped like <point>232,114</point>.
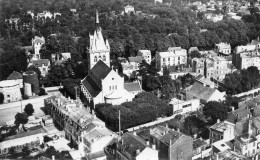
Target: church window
<point>99,57</point>
<point>104,58</point>
<point>115,87</point>
<point>95,59</point>
<point>112,87</point>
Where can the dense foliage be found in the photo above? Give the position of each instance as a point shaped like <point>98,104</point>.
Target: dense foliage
<point>20,118</point>
<point>144,108</point>
<point>243,81</point>
<point>215,110</point>
<point>29,109</point>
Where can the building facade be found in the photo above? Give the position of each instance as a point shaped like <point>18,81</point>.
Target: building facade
<point>37,43</point>
<point>99,49</point>
<point>43,65</point>
<point>243,60</point>
<point>223,48</point>
<point>10,90</point>
<point>183,107</point>
<point>173,57</point>
<point>224,131</point>
<point>146,55</point>
<point>129,9</point>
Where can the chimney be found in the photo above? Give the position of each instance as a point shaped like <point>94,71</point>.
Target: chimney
<point>58,101</point>
<point>117,71</point>
<point>137,151</point>
<point>233,108</point>
<point>166,125</point>
<point>170,142</point>
<point>154,146</point>
<point>218,121</point>
<point>248,115</point>
<point>134,133</point>
<point>256,157</point>
<point>216,156</point>
<point>53,157</point>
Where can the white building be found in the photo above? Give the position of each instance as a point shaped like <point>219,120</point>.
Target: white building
<point>98,48</point>
<point>173,57</point>
<point>10,90</point>
<point>246,144</point>
<point>131,65</point>
<point>44,14</point>
<point>222,131</point>
<point>129,9</point>
<point>183,107</point>
<point>223,48</point>
<point>146,55</point>
<point>37,43</point>
<point>214,17</point>
<point>18,77</point>
<point>243,60</point>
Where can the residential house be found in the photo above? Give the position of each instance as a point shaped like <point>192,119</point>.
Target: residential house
<point>45,15</point>
<point>199,148</point>
<point>204,81</point>
<point>184,107</point>
<point>43,65</point>
<point>214,17</point>
<point>132,65</point>
<point>174,56</point>
<point>129,9</point>
<point>171,144</point>
<point>223,49</point>
<point>146,55</point>
<point>222,131</point>
<point>205,94</point>
<point>246,144</point>
<point>243,60</point>
<point>131,146</point>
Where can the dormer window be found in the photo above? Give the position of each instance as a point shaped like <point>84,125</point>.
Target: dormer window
<point>95,59</point>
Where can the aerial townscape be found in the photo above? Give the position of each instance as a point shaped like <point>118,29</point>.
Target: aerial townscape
<point>130,79</point>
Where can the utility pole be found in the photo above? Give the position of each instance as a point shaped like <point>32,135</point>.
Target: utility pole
<point>119,123</point>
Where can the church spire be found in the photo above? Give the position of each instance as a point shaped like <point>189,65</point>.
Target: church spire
<point>97,19</point>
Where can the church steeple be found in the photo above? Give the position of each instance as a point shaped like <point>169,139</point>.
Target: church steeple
<point>97,20</point>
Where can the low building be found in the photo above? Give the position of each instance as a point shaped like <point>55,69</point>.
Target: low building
<point>214,17</point>
<point>17,142</point>
<point>18,77</point>
<point>222,131</point>
<point>223,48</point>
<point>230,155</point>
<point>37,43</point>
<point>204,81</point>
<point>133,87</point>
<point>205,94</point>
<point>11,90</point>
<point>184,107</point>
<point>171,144</point>
<point>146,55</point>
<point>238,115</point>
<point>174,56</point>
<point>43,65</point>
<point>199,148</point>
<point>45,15</point>
<point>65,56</point>
<point>131,146</point>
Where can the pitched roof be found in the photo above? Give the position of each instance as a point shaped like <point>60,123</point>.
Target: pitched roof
<point>91,86</point>
<point>40,62</point>
<point>15,75</point>
<point>201,92</point>
<point>193,49</point>
<point>134,86</point>
<point>221,126</point>
<point>137,59</point>
<point>239,114</point>
<point>198,143</point>
<point>100,70</point>
<point>132,143</point>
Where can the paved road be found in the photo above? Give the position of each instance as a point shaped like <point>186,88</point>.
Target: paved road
<point>7,113</point>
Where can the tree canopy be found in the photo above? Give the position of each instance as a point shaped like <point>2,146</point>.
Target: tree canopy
<point>29,109</point>
<point>215,110</point>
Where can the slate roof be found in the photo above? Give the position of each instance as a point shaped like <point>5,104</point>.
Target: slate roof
<point>201,92</point>
<point>193,49</point>
<point>39,63</point>
<point>133,143</point>
<point>198,143</point>
<point>137,59</point>
<point>91,86</point>
<point>134,86</point>
<point>100,70</point>
<point>15,75</point>
<point>238,115</point>
<point>221,126</point>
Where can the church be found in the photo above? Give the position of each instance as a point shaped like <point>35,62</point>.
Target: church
<point>103,84</point>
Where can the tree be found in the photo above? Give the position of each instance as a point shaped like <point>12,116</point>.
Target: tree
<point>35,69</point>
<point>215,110</point>
<point>20,118</point>
<point>192,125</point>
<point>29,109</point>
<point>194,54</point>
<point>26,151</point>
<point>2,97</point>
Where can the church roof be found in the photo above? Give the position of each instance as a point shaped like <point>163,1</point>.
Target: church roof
<point>15,75</point>
<point>100,70</point>
<point>91,86</point>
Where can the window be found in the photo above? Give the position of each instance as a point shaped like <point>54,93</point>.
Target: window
<point>179,58</point>
<point>95,59</point>
<point>110,88</point>
<point>8,96</point>
<point>116,87</point>
<point>164,59</point>
<point>169,59</point>
<point>104,58</point>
